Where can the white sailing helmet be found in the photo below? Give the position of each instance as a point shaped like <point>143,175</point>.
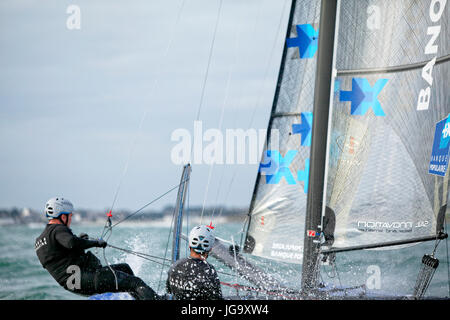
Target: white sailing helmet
<point>57,206</point>
<point>201,239</point>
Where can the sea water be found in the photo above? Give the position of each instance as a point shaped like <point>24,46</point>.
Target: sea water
<point>391,271</point>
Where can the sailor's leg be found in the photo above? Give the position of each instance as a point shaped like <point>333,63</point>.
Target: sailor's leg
<point>124,267</point>
<point>107,281</point>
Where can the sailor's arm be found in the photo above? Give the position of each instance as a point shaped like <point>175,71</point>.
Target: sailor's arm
<point>68,240</point>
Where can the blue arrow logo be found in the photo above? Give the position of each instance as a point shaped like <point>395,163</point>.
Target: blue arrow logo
<point>306,40</point>
<point>304,128</point>
<point>363,96</point>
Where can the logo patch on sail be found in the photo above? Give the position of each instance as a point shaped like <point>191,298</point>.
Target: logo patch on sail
<point>304,128</point>
<point>306,40</point>
<point>441,148</point>
<point>363,96</point>
<point>277,168</point>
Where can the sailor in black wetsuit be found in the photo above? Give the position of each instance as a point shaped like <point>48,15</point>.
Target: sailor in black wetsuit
<point>193,278</point>
<point>63,255</point>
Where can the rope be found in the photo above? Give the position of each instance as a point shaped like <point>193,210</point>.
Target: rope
<point>108,229</point>
<point>140,254</point>
<point>110,268</point>
<point>429,266</point>
<point>151,202</point>
<point>152,258</point>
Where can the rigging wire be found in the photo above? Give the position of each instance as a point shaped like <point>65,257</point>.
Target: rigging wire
<point>108,227</point>
<point>145,256</point>
<point>234,121</point>
<point>153,258</point>
<point>107,230</point>
<point>209,62</point>
<point>227,89</point>
<point>235,113</point>
<point>149,203</point>
<point>258,102</point>
<point>139,131</point>
<point>167,248</point>
<point>202,96</point>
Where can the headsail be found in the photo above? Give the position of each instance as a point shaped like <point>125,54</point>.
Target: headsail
<point>277,210</point>
<point>391,90</point>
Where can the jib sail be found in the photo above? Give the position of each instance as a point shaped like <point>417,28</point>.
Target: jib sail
<point>277,210</point>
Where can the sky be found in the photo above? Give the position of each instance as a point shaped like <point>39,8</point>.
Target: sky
<point>87,113</point>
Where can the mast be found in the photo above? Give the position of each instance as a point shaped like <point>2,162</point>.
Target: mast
<point>181,197</point>
<point>319,142</point>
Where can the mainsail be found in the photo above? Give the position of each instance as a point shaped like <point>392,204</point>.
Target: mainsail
<point>277,210</point>
<point>391,90</point>
<point>390,98</point>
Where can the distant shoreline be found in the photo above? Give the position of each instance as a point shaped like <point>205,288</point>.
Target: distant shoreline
<point>25,216</point>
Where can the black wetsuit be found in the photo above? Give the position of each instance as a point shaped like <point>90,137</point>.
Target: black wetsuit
<point>62,254</point>
<point>193,279</point>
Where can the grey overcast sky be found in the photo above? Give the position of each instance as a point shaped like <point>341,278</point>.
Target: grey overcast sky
<point>71,100</point>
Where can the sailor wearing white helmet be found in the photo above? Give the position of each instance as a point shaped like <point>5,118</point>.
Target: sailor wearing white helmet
<point>63,255</point>
<point>193,278</point>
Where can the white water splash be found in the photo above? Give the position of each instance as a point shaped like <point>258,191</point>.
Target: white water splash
<point>136,244</point>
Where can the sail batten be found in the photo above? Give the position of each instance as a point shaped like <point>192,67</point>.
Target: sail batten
<point>439,236</point>
<point>391,69</point>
